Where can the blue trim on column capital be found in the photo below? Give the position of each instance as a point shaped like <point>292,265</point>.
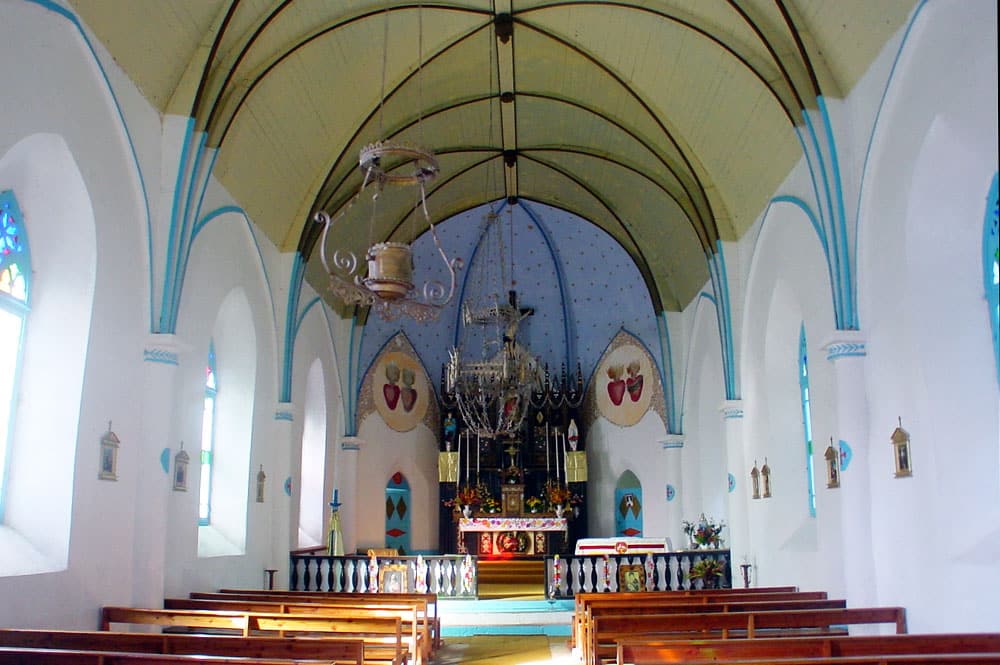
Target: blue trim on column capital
<point>672,441</point>
<point>160,356</point>
<point>846,350</point>
<point>732,409</point>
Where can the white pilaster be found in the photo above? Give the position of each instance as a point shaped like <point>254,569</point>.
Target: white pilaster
<point>673,444</point>
<point>346,480</point>
<point>283,529</point>
<point>154,488</point>
<point>846,350</point>
<point>736,500</point>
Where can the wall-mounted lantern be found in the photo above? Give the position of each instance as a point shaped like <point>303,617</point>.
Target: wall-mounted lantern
<point>901,451</point>
<point>181,460</point>
<point>755,480</point>
<point>109,455</point>
<point>832,458</point>
<point>765,479</point>
<point>261,477</point>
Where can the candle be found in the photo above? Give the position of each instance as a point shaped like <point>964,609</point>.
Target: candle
<point>546,451</point>
<point>468,454</point>
<point>336,492</point>
<point>565,461</point>
<point>477,456</point>
<point>458,463</point>
<point>556,442</point>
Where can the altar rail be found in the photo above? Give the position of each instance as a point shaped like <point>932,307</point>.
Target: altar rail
<point>569,575</point>
<point>449,576</point>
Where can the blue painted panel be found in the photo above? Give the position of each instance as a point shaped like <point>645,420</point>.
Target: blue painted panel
<point>628,512</point>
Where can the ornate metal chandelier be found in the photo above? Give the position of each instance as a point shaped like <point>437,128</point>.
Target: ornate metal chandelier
<point>388,286</point>
<point>492,391</point>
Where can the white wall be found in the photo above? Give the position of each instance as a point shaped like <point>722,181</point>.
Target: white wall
<point>919,192</point>
<point>921,303</point>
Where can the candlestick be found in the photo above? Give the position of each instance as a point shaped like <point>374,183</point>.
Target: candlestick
<point>565,461</point>
<point>556,442</point>
<point>468,454</point>
<point>458,463</point>
<point>546,451</point>
<point>478,448</point>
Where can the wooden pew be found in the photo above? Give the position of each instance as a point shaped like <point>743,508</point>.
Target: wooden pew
<point>382,637</point>
<point>900,659</point>
<point>637,651</point>
<point>337,649</point>
<point>653,605</point>
<point>606,630</point>
<point>416,633</point>
<point>33,656</point>
<point>705,596</point>
<point>427,602</point>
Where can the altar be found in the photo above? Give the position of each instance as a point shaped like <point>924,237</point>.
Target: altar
<point>512,536</point>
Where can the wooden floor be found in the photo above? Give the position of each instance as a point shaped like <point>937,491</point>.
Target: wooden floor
<point>505,650</point>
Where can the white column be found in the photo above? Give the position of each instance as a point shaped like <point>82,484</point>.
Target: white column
<point>846,350</point>
<point>346,480</point>
<point>283,529</point>
<point>736,500</point>
<point>154,487</point>
<point>673,444</point>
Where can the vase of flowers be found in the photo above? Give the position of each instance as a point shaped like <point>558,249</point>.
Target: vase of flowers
<point>558,494</point>
<point>709,571</point>
<point>704,533</point>
<point>534,504</point>
<point>490,505</point>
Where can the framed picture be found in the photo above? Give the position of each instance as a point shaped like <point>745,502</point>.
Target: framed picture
<point>392,578</point>
<point>631,577</point>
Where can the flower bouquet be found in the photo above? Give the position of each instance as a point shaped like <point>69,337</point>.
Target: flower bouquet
<point>534,504</point>
<point>490,505</point>
<point>708,571</point>
<point>557,493</point>
<point>704,532</point>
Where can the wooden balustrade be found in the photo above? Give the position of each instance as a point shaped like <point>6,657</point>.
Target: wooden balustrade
<point>567,576</point>
<point>448,576</point>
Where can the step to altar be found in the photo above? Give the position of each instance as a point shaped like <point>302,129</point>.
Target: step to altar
<point>505,617</point>
<point>520,579</point>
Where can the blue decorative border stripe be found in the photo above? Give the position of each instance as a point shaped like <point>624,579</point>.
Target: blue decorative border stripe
<point>160,356</point>
<point>845,350</point>
<point>284,415</point>
<point>350,445</point>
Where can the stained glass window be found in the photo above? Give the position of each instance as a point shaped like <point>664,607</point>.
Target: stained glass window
<point>807,418</point>
<point>207,440</point>
<point>14,289</point>
<point>991,268</point>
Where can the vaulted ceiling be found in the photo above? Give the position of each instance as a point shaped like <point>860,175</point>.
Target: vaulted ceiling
<point>667,123</point>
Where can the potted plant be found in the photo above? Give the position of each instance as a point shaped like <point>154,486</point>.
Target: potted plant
<point>709,571</point>
<point>534,504</point>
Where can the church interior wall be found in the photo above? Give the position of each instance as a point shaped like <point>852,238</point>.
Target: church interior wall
<point>921,303</point>
<point>922,187</point>
<point>703,482</point>
<point>385,451</point>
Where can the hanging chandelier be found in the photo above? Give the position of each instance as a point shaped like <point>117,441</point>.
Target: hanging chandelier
<point>492,391</point>
<point>387,285</point>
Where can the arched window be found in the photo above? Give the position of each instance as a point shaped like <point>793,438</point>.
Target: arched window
<point>807,418</point>
<point>991,268</point>
<point>15,269</point>
<point>207,440</point>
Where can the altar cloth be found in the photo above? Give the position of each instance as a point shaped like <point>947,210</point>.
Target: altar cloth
<point>512,524</point>
<point>622,545</point>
